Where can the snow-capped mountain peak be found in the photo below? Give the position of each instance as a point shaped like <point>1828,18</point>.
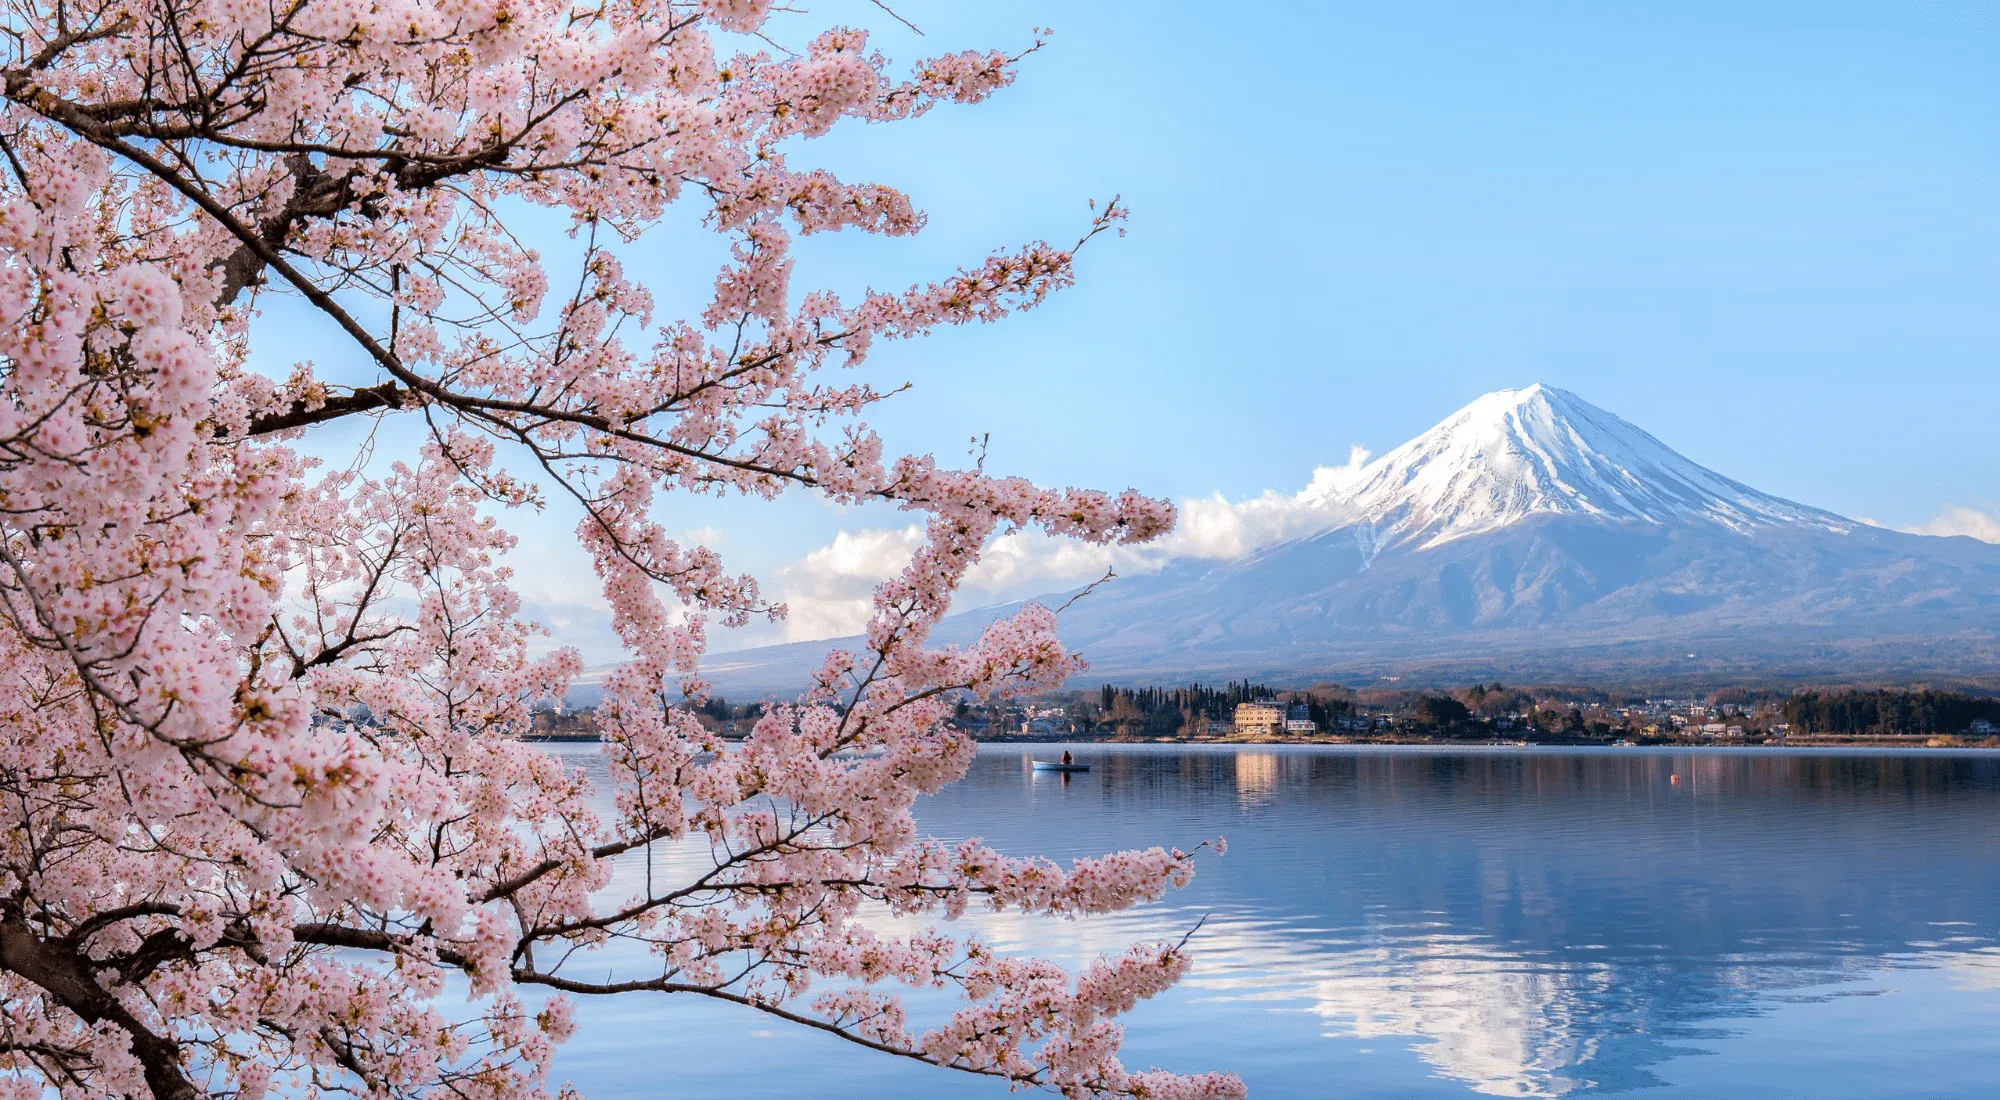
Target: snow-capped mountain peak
<point>1517,454</point>
<point>1530,536</point>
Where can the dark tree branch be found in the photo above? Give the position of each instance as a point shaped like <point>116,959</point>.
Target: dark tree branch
<point>67,978</point>
<point>387,395</point>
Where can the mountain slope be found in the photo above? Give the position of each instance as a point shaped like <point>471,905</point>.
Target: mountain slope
<point>1533,534</point>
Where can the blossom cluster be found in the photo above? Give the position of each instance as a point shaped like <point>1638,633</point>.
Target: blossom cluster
<point>260,718</point>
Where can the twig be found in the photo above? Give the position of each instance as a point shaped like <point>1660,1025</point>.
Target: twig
<point>893,14</point>
<point>1192,931</point>
<point>1086,590</point>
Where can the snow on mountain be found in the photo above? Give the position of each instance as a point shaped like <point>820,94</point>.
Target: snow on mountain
<point>1540,451</point>
<point>1531,535</point>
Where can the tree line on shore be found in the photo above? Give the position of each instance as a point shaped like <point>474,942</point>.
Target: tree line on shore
<point>1548,711</point>
<point>1476,711</point>
<point>1878,713</point>
<point>1163,712</point>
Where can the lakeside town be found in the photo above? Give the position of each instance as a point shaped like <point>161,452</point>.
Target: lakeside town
<point>1242,712</point>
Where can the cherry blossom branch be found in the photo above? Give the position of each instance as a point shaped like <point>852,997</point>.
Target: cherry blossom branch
<point>263,722</point>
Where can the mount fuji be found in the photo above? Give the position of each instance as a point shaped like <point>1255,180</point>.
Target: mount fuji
<point>1516,455</point>
<point>1533,535</point>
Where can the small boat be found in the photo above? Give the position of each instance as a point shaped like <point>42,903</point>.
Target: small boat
<point>1053,766</point>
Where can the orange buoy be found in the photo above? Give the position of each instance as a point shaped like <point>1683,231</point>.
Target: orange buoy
<point>1674,778</point>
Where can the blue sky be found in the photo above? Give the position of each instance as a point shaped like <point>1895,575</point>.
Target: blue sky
<point>1765,233</point>
<point>1769,238</point>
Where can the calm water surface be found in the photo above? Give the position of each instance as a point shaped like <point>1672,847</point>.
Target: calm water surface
<point>1414,923</point>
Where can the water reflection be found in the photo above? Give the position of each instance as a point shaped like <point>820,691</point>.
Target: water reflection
<point>1257,775</point>
<point>1528,923</point>
<point>1539,923</point>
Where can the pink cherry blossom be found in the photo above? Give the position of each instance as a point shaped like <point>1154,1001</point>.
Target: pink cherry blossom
<point>260,718</point>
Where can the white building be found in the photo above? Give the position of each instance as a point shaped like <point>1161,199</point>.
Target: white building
<point>1266,716</point>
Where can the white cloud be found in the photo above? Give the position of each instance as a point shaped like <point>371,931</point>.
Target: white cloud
<point>1029,563</point>
<point>829,591</point>
<point>1216,528</point>
<point>560,589</point>
<point>1984,526</point>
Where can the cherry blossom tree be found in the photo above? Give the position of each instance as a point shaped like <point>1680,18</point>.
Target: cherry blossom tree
<point>263,798</point>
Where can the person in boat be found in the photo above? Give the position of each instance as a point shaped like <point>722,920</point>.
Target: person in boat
<point>1066,760</point>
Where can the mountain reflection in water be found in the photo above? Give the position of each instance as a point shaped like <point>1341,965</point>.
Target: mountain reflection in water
<point>1508,922</point>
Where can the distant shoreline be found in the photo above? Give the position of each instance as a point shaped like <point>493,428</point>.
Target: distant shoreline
<point>1449,743</point>
<point>1912,741</point>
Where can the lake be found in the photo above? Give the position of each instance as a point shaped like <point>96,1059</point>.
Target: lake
<point>1395,922</point>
